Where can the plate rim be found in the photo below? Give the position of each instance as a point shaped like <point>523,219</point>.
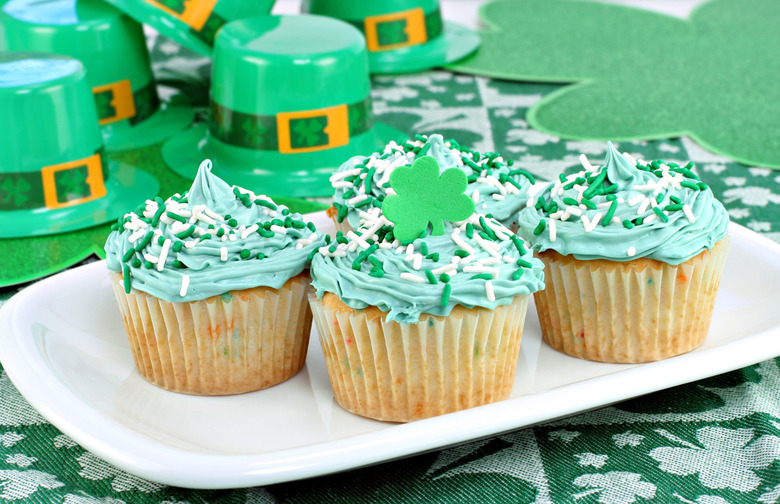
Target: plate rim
<point>165,464</point>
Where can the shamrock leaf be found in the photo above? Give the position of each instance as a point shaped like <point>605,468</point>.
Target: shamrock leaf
<point>103,104</point>
<point>392,32</point>
<point>424,196</point>
<point>14,191</point>
<point>253,131</point>
<point>643,75</point>
<point>309,133</point>
<point>72,184</point>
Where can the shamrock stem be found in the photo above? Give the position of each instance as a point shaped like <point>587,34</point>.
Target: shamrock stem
<point>438,228</point>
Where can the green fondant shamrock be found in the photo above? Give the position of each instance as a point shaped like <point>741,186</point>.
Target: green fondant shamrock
<point>392,32</point>
<point>424,196</point>
<point>72,184</point>
<point>14,192</point>
<point>309,132</point>
<point>643,75</point>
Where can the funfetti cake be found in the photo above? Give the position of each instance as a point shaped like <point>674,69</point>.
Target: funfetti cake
<point>415,324</point>
<point>212,287</point>
<point>363,182</point>
<point>633,254</point>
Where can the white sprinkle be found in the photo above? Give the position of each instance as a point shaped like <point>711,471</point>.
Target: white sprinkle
<point>412,277</point>
<point>489,291</point>
<point>190,243</point>
<point>357,199</point>
<point>489,260</point>
<point>345,174</point>
<point>631,251</point>
<point>497,196</point>
<point>645,187</point>
<point>477,268</point>
<point>185,283</point>
<point>232,237</point>
<point>644,205</point>
<point>595,222</point>
<point>650,218</point>
<point>474,195</point>
<point>163,254</point>
<point>585,163</point>
<point>342,184</point>
<point>278,229</point>
<point>636,200</point>
<point>223,238</point>
<point>447,268</point>
<point>565,216</point>
<point>575,211</point>
<point>689,213</point>
<point>152,259</point>
<point>137,235</point>
<point>212,214</point>
<point>460,242</point>
<point>530,203</point>
<point>551,227</point>
<point>615,220</point>
<point>248,231</point>
<point>223,254</point>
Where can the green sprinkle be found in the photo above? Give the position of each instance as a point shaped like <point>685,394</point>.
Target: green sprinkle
<point>487,229</point>
<point>524,263</point>
<point>444,277</point>
<point>431,277</point>
<point>260,255</point>
<point>702,186</point>
<point>363,203</point>
<point>232,223</point>
<point>675,199</point>
<point>148,265</point>
<point>521,172</point>
<point>673,208</point>
<point>158,214</point>
<point>285,211</point>
<point>265,203</point>
<point>144,241</point>
<point>288,222</point>
<point>611,212</point>
<point>311,227</point>
<point>434,257</point>
<point>628,224</point>
<point>659,198</point>
<point>540,227</point>
<point>206,236</point>
<point>469,230</point>
<point>461,253</point>
<point>178,264</point>
<point>126,277</point>
<point>332,248</point>
<point>175,216</point>
<point>611,197</point>
<point>245,253</point>
<point>517,274</point>
<point>588,203</point>
<point>265,233</point>
<point>639,221</point>
<point>177,246</point>
<point>376,273</point>
<point>160,240</point>
<point>472,164</point>
<point>220,232</point>
<point>570,201</point>
<point>128,254</point>
<point>661,215</point>
<point>298,224</point>
<point>327,238</point>
<point>483,276</point>
<point>424,248</point>
<point>341,239</point>
<point>445,296</point>
<point>136,263</point>
<point>186,233</point>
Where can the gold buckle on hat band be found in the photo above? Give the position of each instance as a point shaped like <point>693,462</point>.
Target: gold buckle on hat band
<point>94,180</point>
<point>337,128</point>
<point>123,100</point>
<point>195,14</point>
<point>415,30</point>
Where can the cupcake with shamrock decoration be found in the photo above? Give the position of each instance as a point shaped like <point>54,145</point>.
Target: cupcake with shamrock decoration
<point>418,315</point>
<point>633,255</point>
<point>212,288</point>
<point>363,182</point>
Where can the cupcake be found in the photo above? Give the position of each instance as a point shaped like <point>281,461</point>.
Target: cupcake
<point>212,288</point>
<point>633,255</point>
<point>413,328</point>
<point>362,182</point>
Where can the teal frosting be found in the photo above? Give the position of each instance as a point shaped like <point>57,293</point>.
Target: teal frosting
<point>686,220</point>
<point>230,239</point>
<point>509,184</point>
<point>379,275</point>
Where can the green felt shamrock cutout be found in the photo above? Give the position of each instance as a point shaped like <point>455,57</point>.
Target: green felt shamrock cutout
<point>641,75</point>
<point>424,196</point>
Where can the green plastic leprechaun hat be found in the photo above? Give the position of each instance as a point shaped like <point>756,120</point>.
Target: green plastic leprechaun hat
<point>113,50</point>
<point>290,102</point>
<point>402,35</point>
<point>54,175</point>
<point>192,23</point>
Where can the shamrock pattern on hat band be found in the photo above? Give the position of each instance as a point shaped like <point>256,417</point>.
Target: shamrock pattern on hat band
<point>198,15</point>
<point>306,130</point>
<point>55,186</point>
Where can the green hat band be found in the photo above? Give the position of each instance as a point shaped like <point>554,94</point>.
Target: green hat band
<point>55,186</point>
<point>292,132</point>
<point>197,14</point>
<point>400,29</point>
<point>117,101</point>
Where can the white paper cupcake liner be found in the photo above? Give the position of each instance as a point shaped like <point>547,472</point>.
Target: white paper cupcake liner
<point>238,342</point>
<point>402,372</point>
<point>639,311</point>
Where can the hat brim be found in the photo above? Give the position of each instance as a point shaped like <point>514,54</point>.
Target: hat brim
<point>455,43</point>
<point>126,187</point>
<point>158,127</point>
<point>267,172</point>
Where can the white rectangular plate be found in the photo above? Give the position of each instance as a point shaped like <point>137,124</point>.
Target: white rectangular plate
<point>63,344</point>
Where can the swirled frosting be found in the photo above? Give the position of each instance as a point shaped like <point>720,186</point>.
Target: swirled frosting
<point>624,210</point>
<point>362,182</point>
<point>478,262</point>
<point>214,239</point>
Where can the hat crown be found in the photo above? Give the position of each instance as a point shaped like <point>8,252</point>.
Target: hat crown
<point>60,12</point>
<point>271,64</point>
<point>49,111</point>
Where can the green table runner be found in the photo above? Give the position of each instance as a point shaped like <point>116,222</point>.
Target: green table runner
<point>714,441</point>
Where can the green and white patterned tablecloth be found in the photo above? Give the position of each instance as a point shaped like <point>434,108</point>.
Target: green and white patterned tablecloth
<point>715,441</point>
